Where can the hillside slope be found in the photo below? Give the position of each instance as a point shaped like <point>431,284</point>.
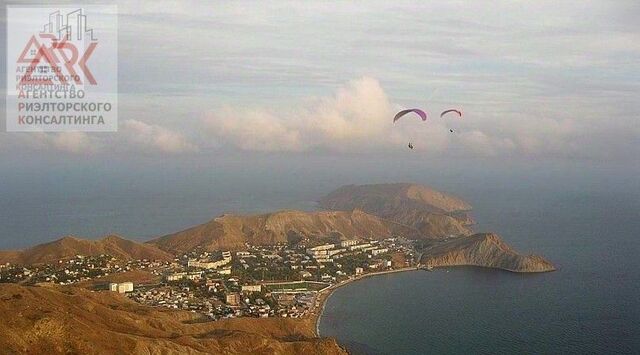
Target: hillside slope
<point>434,214</point>
<point>483,249</point>
<point>61,320</point>
<point>233,231</point>
<point>68,247</point>
<point>388,199</point>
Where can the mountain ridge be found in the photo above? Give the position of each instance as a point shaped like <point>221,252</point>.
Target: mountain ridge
<point>70,246</point>
<point>433,213</point>
<point>230,231</point>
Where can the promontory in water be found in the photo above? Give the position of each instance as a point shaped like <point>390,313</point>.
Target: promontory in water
<point>182,288</point>
<point>441,221</point>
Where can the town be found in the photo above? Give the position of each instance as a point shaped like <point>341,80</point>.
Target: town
<point>282,280</point>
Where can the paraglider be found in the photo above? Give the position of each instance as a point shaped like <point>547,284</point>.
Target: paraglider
<point>451,110</point>
<point>417,111</point>
<point>423,115</point>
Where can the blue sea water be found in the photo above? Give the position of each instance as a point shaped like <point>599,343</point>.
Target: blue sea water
<point>590,305</point>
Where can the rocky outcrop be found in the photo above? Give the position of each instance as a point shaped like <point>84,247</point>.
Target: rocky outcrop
<point>483,249</point>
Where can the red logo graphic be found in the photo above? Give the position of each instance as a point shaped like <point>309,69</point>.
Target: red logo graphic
<point>57,52</point>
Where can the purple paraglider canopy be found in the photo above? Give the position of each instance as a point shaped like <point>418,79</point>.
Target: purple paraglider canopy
<point>451,110</point>
<point>417,111</point>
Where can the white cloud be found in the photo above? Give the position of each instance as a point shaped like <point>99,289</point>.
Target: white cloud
<point>78,143</point>
<point>485,145</point>
<point>155,138</point>
<point>356,116</point>
<point>133,137</point>
<point>73,142</point>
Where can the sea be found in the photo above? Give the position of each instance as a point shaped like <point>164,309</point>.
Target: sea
<point>583,217</point>
<point>590,305</point>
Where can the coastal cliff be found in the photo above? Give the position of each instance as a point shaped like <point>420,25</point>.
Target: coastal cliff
<point>486,250</point>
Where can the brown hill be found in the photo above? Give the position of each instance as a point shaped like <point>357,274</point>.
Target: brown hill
<point>68,247</point>
<point>388,199</point>
<point>137,276</point>
<point>431,225</point>
<point>57,320</point>
<point>483,249</point>
<point>233,231</point>
<point>434,214</point>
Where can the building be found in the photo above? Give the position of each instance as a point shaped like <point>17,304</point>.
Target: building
<point>359,271</point>
<point>193,276</point>
<point>333,252</point>
<point>208,264</point>
<point>324,260</point>
<point>360,246</point>
<point>320,250</point>
<point>252,288</point>
<point>177,276</point>
<point>233,299</point>
<point>122,287</point>
<point>379,251</point>
<point>348,243</point>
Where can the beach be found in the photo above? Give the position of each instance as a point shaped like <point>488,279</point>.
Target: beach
<point>323,295</point>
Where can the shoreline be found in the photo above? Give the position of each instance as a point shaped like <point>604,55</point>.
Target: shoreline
<point>323,296</point>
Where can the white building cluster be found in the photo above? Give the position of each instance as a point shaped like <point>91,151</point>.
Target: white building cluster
<point>178,276</point>
<point>122,287</point>
<point>325,253</point>
<point>209,264</point>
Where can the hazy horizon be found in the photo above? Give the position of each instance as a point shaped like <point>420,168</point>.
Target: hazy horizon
<point>44,201</point>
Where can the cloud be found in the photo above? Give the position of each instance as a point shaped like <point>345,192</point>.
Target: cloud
<point>133,137</point>
<point>77,143</point>
<point>485,145</point>
<point>355,118</point>
<point>539,82</point>
<point>155,138</point>
<point>73,142</point>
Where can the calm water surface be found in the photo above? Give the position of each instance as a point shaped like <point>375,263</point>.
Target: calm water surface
<point>590,305</point>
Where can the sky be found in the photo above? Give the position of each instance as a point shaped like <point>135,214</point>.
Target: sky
<point>542,80</point>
